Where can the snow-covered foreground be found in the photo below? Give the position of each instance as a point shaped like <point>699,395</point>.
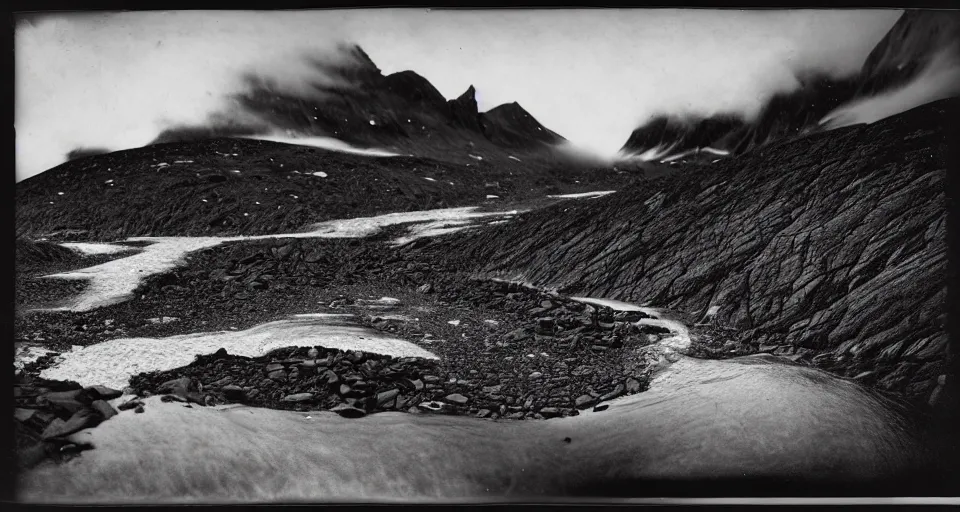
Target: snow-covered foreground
<point>737,418</point>
<point>115,281</point>
<point>113,362</point>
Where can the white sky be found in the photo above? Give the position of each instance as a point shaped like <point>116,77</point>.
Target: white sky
<point>115,80</point>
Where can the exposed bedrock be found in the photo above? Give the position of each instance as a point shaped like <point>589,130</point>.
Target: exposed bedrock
<point>833,245</point>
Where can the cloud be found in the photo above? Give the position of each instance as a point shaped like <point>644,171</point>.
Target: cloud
<point>939,80</point>
<point>116,80</point>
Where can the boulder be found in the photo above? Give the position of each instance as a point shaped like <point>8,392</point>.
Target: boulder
<point>84,418</point>
<point>584,401</point>
<point>178,387</point>
<point>105,409</point>
<point>104,393</point>
<point>457,398</point>
<point>233,392</point>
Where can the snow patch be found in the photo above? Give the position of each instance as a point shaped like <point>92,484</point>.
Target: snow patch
<point>582,194</point>
<point>327,143</point>
<point>90,248</point>
<point>113,362</point>
<point>115,281</point>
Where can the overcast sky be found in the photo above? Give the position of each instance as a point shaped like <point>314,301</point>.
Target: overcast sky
<point>115,80</point>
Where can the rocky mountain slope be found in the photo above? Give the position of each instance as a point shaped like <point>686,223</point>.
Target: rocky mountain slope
<point>243,186</point>
<point>401,112</point>
<point>831,248</point>
<point>907,50</point>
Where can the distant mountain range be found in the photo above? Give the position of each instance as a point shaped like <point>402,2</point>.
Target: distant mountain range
<point>910,47</point>
<point>401,112</point>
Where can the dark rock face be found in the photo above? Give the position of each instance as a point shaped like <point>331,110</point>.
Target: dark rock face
<point>833,245</point>
<point>909,47</point>
<point>666,135</point>
<point>511,126</point>
<point>402,112</point>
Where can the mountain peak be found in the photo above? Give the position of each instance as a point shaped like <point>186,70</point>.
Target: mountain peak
<point>469,95</point>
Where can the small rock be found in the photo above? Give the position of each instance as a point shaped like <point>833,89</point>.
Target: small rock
<point>584,401</point>
<point>104,408</point>
<point>178,387</point>
<point>386,396</point>
<point>298,397</point>
<point>277,375</point>
<point>105,393</point>
<point>617,391</point>
<point>602,407</point>
<point>536,375</point>
<point>432,406</point>
<point>313,353</point>
<point>425,288</point>
<point>550,412</point>
<point>129,404</point>
<point>348,411</point>
<point>632,385</point>
<point>457,398</point>
<point>139,409</point>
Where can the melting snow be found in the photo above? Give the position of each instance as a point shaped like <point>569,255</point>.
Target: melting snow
<point>489,196</point>
<point>681,335</point>
<point>430,179</point>
<point>514,158</point>
<point>582,194</point>
<point>115,281</point>
<point>113,362</point>
<point>95,248</point>
<point>327,143</point>
<point>320,174</point>
<point>25,354</point>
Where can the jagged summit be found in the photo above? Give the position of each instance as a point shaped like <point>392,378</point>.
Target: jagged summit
<point>911,46</point>
<point>510,125</point>
<point>401,112</point>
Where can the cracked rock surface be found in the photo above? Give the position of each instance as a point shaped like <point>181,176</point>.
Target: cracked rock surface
<point>831,248</point>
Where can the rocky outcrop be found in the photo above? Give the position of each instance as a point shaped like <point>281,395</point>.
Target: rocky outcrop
<point>833,244</point>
